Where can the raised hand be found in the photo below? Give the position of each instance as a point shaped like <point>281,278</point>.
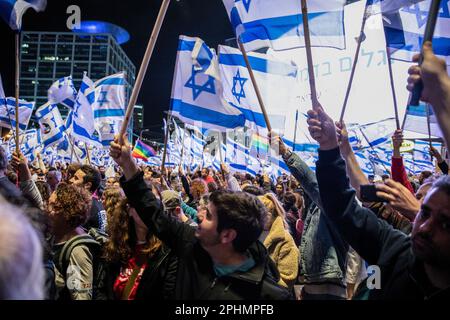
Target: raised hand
<point>432,72</point>
<point>399,197</point>
<point>277,143</point>
<point>397,140</point>
<point>20,163</point>
<point>121,153</point>
<point>342,135</point>
<point>322,129</point>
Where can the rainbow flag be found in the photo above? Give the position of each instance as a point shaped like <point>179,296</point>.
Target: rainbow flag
<point>259,147</point>
<point>143,151</point>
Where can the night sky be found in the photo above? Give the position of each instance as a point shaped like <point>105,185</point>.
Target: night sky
<point>206,19</point>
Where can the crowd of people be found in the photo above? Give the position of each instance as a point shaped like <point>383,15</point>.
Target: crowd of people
<point>69,233</point>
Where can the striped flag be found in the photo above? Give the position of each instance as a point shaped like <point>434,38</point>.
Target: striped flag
<point>143,151</point>
<point>12,10</point>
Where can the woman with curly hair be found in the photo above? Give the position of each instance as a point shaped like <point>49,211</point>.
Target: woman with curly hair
<point>68,209</point>
<point>140,266</point>
<point>278,241</point>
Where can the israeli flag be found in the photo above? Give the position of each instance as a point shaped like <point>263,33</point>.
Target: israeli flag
<point>8,113</point>
<point>416,120</point>
<point>375,134</point>
<point>51,125</point>
<point>404,31</point>
<point>422,154</point>
<point>197,90</point>
<point>29,141</point>
<point>109,106</point>
<point>269,73</point>
<point>236,155</point>
<point>63,91</point>
<point>12,10</point>
<point>365,162</point>
<point>81,120</point>
<point>109,103</point>
<point>279,24</point>
<point>387,6</point>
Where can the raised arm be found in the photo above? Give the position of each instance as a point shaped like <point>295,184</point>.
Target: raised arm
<point>179,236</point>
<point>298,168</point>
<point>367,234</point>
<point>355,174</point>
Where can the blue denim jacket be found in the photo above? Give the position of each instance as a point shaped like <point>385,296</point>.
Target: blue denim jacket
<point>323,252</point>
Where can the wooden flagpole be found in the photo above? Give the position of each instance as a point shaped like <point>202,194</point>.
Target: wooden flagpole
<point>255,85</point>
<point>394,97</point>
<point>143,68</point>
<point>312,79</point>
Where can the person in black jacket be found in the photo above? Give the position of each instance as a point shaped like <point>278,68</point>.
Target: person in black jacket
<point>410,267</point>
<point>221,258</point>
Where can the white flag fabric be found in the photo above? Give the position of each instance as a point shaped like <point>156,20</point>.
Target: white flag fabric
<point>197,91</point>
<point>51,125</point>
<point>279,24</point>
<point>8,113</point>
<point>269,73</point>
<point>12,10</point>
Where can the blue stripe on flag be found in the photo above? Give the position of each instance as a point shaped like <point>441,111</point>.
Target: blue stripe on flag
<point>206,115</point>
<point>111,81</point>
<point>109,113</point>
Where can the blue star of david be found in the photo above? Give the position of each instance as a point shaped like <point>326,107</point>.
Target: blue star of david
<point>246,4</point>
<point>111,127</point>
<point>103,98</point>
<point>208,86</point>
<point>238,79</point>
<point>422,16</point>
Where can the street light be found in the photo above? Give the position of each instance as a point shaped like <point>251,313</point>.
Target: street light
<point>142,131</point>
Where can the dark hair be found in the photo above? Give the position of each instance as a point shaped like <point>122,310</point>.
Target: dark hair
<point>3,159</point>
<point>253,190</point>
<point>290,202</point>
<point>242,212</point>
<point>44,190</point>
<point>73,203</point>
<point>442,184</point>
<point>212,186</point>
<point>92,175</point>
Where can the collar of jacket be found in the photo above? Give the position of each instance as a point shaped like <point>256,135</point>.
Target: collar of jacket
<point>262,265</point>
<point>277,232</point>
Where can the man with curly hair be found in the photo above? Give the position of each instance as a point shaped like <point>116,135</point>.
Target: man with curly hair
<point>68,209</point>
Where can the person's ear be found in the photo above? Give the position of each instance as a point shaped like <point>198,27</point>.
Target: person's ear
<point>88,186</point>
<point>227,236</point>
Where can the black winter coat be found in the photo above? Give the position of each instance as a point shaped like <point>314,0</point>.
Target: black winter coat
<point>196,278</point>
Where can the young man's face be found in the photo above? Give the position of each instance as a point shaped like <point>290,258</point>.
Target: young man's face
<point>206,231</point>
<point>431,230</point>
<point>78,178</point>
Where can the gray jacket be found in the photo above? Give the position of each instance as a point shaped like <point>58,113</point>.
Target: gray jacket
<point>323,252</point>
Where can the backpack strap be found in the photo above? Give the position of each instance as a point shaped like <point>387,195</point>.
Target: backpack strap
<point>64,256</point>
